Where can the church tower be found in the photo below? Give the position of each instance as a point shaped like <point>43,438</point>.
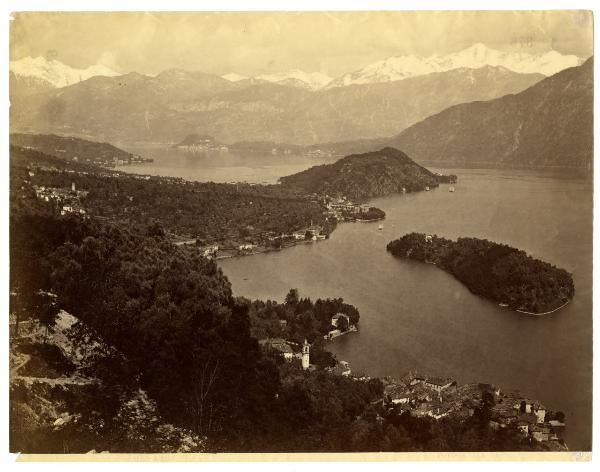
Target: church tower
<point>305,355</point>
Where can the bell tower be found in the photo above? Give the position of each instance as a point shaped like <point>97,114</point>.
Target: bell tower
<point>305,355</point>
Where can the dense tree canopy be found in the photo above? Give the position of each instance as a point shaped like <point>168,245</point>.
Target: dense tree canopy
<point>177,348</point>
<point>363,176</point>
<point>207,211</point>
<point>496,271</point>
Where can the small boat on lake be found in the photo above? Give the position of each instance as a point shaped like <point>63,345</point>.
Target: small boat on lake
<point>427,189</point>
<point>380,227</point>
<point>451,189</point>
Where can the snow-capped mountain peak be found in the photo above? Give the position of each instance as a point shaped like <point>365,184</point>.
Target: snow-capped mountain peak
<point>474,57</point>
<point>233,77</point>
<point>55,72</point>
<point>296,77</point>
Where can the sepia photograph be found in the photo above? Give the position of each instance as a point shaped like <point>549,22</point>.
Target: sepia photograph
<point>300,232</point>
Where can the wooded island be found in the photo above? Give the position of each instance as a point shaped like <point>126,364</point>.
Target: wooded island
<point>499,272</point>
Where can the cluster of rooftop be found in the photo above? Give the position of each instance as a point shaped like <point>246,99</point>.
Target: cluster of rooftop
<point>440,397</point>
<point>261,241</point>
<point>342,209</point>
<point>318,153</point>
<point>66,200</point>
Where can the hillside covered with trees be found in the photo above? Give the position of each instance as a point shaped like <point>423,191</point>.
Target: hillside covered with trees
<point>172,346</point>
<point>209,212</point>
<point>75,149</point>
<point>496,271</point>
<point>369,175</point>
<point>167,358</point>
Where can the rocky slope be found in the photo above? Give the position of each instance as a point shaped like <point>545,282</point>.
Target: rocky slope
<point>58,405</point>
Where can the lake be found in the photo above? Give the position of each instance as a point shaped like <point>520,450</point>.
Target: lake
<point>416,316</point>
<point>220,166</point>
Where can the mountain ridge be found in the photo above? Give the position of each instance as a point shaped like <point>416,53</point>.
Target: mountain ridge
<point>390,69</point>
<point>550,124</point>
<point>474,57</point>
<point>55,72</point>
<point>166,108</point>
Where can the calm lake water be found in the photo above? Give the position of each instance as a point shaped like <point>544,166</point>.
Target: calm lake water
<point>220,167</point>
<point>415,316</point>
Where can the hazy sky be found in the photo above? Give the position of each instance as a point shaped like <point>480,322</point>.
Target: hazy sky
<point>254,43</point>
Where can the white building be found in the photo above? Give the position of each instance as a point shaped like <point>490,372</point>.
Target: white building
<point>305,355</point>
<point>540,413</point>
<point>210,251</point>
<point>438,384</point>
<point>246,247</point>
<point>336,318</point>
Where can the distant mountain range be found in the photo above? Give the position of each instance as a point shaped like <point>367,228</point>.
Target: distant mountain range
<point>549,124</point>
<point>363,176</point>
<point>388,70</point>
<point>293,78</point>
<point>486,116</point>
<point>166,108</point>
<point>55,73</point>
<point>298,78</point>
<point>474,57</point>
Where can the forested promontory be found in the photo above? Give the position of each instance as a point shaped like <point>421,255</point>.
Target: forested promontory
<point>369,175</point>
<point>499,272</point>
<point>76,149</point>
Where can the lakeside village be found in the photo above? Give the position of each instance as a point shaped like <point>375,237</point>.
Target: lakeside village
<point>66,200</point>
<point>439,397</point>
<point>335,209</point>
<point>208,144</point>
<point>201,144</point>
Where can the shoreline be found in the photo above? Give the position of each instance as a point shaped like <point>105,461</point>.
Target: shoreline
<point>433,253</point>
<point>330,337</point>
<point>264,251</point>
<point>481,165</point>
<point>556,429</point>
<point>546,312</point>
<point>268,249</point>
